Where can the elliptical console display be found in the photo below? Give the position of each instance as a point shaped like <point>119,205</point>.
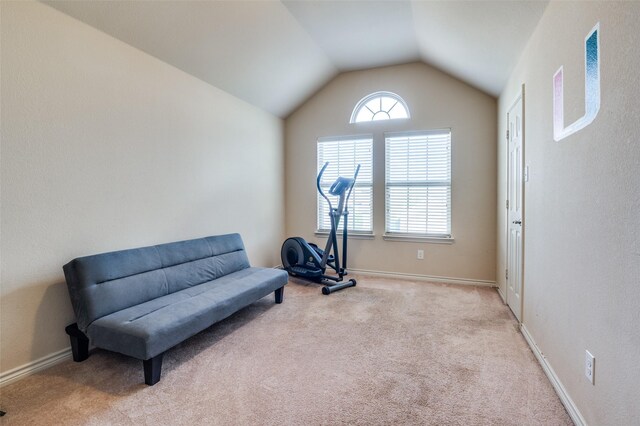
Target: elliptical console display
<point>308,261</point>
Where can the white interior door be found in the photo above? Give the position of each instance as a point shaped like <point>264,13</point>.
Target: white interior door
<point>514,207</point>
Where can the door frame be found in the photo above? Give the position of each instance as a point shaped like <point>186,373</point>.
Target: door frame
<point>519,96</point>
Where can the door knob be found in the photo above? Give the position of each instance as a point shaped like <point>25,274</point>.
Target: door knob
<point>517,222</point>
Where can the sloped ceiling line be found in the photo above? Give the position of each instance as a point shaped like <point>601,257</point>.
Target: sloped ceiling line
<point>275,54</point>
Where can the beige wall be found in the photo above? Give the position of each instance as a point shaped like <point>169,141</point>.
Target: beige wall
<point>435,100</point>
<point>582,220</point>
<point>104,148</point>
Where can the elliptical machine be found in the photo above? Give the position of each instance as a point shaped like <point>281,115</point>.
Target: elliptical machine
<point>305,260</point>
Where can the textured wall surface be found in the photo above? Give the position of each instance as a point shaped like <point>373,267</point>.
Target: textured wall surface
<point>105,148</point>
<point>581,220</point>
<point>436,101</point>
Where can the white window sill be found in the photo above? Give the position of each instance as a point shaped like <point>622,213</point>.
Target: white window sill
<point>418,239</point>
<point>352,235</point>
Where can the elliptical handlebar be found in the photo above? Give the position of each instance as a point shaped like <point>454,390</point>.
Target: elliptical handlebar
<point>336,184</point>
<point>320,188</point>
<point>355,176</point>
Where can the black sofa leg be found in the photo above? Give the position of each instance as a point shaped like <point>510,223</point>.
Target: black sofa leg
<point>279,295</point>
<point>152,369</point>
<point>79,343</point>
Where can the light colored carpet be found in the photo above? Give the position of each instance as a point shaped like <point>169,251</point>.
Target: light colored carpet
<point>385,352</point>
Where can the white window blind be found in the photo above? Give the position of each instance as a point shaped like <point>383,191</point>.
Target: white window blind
<point>418,183</point>
<point>343,155</point>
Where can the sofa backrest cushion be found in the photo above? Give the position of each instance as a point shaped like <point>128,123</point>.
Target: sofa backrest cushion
<point>105,283</point>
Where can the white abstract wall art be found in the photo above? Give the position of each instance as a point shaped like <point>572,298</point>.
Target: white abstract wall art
<point>591,89</point>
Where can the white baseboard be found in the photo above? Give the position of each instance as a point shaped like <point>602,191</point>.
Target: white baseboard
<point>33,367</point>
<point>432,278</point>
<point>566,400</point>
<point>502,295</point>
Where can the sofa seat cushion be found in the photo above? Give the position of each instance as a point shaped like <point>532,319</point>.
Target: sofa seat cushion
<point>148,329</point>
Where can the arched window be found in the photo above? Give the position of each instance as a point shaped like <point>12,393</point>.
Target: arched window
<point>379,106</point>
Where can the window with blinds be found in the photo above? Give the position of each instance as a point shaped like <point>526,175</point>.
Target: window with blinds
<point>418,183</point>
<point>343,155</point>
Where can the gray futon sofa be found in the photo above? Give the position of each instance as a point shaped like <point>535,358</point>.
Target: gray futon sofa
<point>141,302</point>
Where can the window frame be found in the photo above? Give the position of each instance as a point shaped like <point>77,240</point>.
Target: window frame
<point>364,101</point>
<point>419,237</point>
<point>368,234</point>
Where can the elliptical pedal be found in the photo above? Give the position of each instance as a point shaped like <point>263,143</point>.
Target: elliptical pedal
<point>306,271</point>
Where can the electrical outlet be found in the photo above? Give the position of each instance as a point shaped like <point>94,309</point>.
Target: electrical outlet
<point>421,254</point>
<point>589,366</point>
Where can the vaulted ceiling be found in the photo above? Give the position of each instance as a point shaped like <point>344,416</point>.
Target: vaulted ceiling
<point>275,54</point>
